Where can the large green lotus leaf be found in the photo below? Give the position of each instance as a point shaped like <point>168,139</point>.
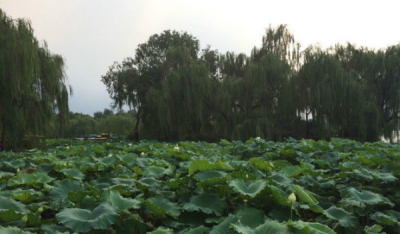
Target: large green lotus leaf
<point>17,163</point>
<point>29,179</point>
<point>77,196</point>
<point>373,229</point>
<point>80,220</point>
<point>73,173</point>
<point>162,230</point>
<point>198,230</point>
<point>52,228</point>
<point>86,166</point>
<point>367,197</point>
<point>157,172</point>
<point>109,161</point>
<point>115,199</point>
<point>384,176</point>
<point>144,162</point>
<point>13,230</point>
<point>4,176</point>
<point>102,183</point>
<point>176,183</point>
<point>162,206</point>
<point>130,223</point>
<point>88,202</point>
<point>281,179</point>
<point>128,159</point>
<point>150,182</point>
<point>45,168</point>
<point>261,164</point>
<point>392,213</point>
<point>11,210</point>
<point>250,216</point>
<point>61,191</point>
<point>280,196</point>
<point>270,227</point>
<point>350,165</point>
<point>207,203</point>
<point>305,196</point>
<point>311,228</point>
<point>224,227</point>
<point>248,188</point>
<point>332,159</point>
<point>317,182</point>
<point>292,171</point>
<point>364,174</point>
<point>26,196</point>
<point>384,219</point>
<point>345,219</point>
<point>205,175</point>
<point>106,183</point>
<point>204,165</point>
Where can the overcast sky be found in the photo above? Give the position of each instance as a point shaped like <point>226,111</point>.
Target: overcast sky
<point>92,34</point>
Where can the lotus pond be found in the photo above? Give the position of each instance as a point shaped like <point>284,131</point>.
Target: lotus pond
<point>341,186</point>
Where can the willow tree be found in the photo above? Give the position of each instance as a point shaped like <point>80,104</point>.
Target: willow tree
<point>32,80</point>
<point>129,82</point>
<point>255,90</point>
<point>379,72</point>
<point>330,98</point>
<point>178,105</point>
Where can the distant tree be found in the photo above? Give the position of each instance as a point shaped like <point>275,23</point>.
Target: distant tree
<point>118,124</point>
<point>107,112</point>
<point>98,115</point>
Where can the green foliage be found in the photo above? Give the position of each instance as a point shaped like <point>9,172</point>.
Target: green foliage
<point>32,83</point>
<point>80,220</point>
<point>275,93</point>
<point>341,186</point>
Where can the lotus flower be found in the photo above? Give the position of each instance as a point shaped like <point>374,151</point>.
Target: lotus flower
<point>292,198</point>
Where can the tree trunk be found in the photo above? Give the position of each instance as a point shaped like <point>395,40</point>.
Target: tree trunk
<point>137,127</point>
<point>3,129</point>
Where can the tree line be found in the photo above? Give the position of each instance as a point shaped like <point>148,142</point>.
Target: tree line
<point>178,91</point>
<point>181,92</point>
<point>82,125</point>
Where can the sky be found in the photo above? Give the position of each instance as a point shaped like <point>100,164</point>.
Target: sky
<point>92,34</point>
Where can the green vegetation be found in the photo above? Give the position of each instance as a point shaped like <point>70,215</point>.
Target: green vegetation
<point>32,84</point>
<point>81,125</point>
<point>180,92</point>
<point>340,186</point>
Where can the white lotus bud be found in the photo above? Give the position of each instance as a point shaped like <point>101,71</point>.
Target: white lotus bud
<point>129,145</point>
<point>142,154</point>
<point>18,170</point>
<point>292,198</point>
<point>176,148</point>
<point>258,138</point>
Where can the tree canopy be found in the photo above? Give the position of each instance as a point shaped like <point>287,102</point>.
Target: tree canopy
<point>180,92</point>
<point>33,85</point>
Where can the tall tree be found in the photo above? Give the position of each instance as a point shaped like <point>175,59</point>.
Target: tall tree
<point>129,82</point>
<point>32,82</point>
